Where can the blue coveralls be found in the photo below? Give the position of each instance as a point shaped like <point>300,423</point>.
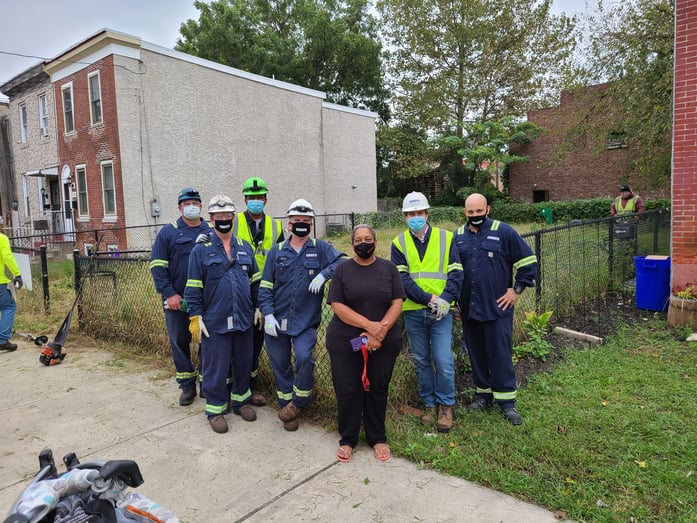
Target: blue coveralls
<point>488,258</point>
<point>284,293</point>
<point>224,292</point>
<point>169,263</point>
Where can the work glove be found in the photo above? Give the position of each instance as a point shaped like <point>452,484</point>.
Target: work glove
<point>316,284</point>
<point>271,326</point>
<point>440,308</point>
<point>196,328</point>
<point>18,282</point>
<point>203,238</point>
<point>259,319</point>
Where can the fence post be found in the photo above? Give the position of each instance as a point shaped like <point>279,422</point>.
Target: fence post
<point>44,277</point>
<point>78,282</point>
<point>538,253</point>
<point>610,252</point>
<point>656,221</point>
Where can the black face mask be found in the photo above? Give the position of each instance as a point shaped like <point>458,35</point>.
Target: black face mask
<point>300,229</point>
<point>223,226</point>
<point>364,250</point>
<point>476,221</point>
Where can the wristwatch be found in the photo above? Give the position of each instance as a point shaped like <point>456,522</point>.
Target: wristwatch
<point>519,289</point>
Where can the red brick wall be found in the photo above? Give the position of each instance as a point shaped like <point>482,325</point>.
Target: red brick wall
<point>89,145</point>
<point>584,168</point>
<point>684,185</point>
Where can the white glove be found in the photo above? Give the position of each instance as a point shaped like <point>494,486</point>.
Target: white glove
<point>442,309</point>
<point>259,319</point>
<point>203,238</point>
<point>271,326</point>
<point>316,284</point>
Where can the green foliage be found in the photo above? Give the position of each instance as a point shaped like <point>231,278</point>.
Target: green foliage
<point>535,327</point>
<point>326,45</point>
<point>688,292</point>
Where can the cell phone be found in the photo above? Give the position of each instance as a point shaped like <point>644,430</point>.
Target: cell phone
<point>358,342</point>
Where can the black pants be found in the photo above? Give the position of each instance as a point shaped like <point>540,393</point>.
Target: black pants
<point>356,405</point>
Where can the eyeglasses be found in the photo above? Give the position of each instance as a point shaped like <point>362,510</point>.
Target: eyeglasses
<point>301,208</point>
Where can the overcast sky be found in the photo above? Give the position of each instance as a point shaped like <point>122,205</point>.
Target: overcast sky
<point>42,29</point>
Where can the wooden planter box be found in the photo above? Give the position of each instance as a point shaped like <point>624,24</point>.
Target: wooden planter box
<point>682,312</point>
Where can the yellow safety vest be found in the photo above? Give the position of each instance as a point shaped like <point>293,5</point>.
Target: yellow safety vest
<point>431,273</point>
<point>629,208</point>
<point>272,229</point>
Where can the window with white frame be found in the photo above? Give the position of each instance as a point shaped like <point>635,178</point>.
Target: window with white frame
<point>43,116</point>
<point>25,190</point>
<point>108,189</point>
<point>23,123</point>
<point>83,209</point>
<point>95,98</point>
<point>68,117</point>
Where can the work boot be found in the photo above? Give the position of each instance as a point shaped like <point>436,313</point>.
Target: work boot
<point>429,416</point>
<point>479,404</point>
<point>289,412</point>
<point>246,411</point>
<point>8,346</point>
<point>258,400</point>
<point>512,416</point>
<point>445,418</point>
<point>292,425</point>
<point>187,396</point>
<point>218,424</point>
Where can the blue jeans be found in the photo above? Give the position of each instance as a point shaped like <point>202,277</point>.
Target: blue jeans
<point>177,323</point>
<point>8,307</point>
<point>430,345</point>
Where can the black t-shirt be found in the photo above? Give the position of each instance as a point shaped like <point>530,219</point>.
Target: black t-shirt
<point>369,291</point>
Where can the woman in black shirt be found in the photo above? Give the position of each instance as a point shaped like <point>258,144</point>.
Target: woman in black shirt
<point>366,296</point>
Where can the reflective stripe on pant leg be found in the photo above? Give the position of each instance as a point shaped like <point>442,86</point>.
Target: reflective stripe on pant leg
<point>217,350</point>
<point>303,347</point>
<point>177,323</point>
<point>278,349</point>
<point>473,333</point>
<point>499,335</point>
<point>241,365</point>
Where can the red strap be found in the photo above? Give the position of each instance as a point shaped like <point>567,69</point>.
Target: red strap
<point>364,377</point>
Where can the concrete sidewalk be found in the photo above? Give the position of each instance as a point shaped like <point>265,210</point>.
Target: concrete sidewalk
<point>104,409</point>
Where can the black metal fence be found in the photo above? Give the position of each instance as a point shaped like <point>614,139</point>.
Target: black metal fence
<point>579,263</point>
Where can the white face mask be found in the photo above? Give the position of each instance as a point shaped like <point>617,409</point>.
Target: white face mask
<point>191,212</point>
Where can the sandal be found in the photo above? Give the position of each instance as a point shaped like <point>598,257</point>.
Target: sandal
<point>344,454</point>
<point>382,451</point>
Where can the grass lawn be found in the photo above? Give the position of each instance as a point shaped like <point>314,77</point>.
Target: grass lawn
<point>609,435</point>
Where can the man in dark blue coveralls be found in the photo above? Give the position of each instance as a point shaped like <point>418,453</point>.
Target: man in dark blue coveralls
<point>489,251</point>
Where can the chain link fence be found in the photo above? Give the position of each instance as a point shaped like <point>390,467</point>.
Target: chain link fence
<point>579,263</point>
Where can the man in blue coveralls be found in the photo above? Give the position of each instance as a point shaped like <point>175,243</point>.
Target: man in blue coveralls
<point>489,251</point>
<point>221,292</point>
<point>290,298</point>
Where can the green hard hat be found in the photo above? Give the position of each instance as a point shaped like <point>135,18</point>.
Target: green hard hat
<point>254,186</point>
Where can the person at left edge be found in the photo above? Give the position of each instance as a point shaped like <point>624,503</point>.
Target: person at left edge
<point>169,263</point>
<point>261,231</point>
<point>221,292</point>
<point>8,305</point>
<point>290,297</point>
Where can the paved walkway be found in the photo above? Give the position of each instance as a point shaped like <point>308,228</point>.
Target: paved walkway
<point>103,409</point>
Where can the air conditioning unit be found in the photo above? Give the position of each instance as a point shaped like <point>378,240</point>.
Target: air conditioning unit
<point>40,225</point>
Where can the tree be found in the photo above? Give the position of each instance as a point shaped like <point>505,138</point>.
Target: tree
<point>474,59</point>
<point>327,45</point>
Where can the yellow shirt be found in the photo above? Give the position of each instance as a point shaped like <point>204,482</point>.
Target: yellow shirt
<point>7,259</point>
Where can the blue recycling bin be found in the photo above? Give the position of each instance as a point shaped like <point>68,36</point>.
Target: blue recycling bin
<point>652,283</point>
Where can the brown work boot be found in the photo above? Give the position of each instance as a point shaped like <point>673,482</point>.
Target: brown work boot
<point>246,411</point>
<point>292,425</point>
<point>429,416</point>
<point>258,400</point>
<point>289,412</point>
<point>445,418</point>
<point>218,424</point>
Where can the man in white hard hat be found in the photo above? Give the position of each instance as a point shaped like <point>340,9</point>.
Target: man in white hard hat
<point>221,291</point>
<point>290,296</point>
<point>432,277</point>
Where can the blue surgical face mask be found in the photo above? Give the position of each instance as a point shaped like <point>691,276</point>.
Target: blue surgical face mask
<point>416,223</point>
<point>255,206</point>
<point>191,212</point>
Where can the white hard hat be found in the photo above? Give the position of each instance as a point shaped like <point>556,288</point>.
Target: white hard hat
<point>220,203</point>
<point>415,201</point>
<point>301,208</point>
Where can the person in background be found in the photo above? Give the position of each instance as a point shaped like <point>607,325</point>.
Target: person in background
<point>8,304</point>
<point>169,263</point>
<point>626,203</point>
<point>431,273</point>
<point>290,296</point>
<point>221,292</point>
<point>261,231</point>
<point>366,295</point>
<point>490,250</point>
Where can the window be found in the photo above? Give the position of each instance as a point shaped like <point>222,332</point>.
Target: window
<point>108,191</point>
<point>82,201</point>
<point>68,108</point>
<point>23,122</point>
<point>43,116</point>
<point>25,190</point>
<point>95,98</point>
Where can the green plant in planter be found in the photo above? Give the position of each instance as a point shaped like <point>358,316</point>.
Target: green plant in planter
<point>535,327</point>
<point>689,292</point>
